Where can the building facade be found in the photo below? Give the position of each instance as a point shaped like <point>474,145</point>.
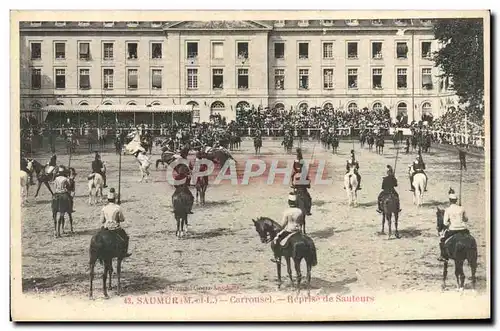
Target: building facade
<point>220,66</point>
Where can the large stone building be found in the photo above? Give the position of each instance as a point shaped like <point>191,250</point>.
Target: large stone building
<point>220,66</point>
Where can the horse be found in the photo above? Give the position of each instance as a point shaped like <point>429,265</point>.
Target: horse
<point>419,183</point>
<point>287,143</point>
<point>298,247</point>
<point>25,185</point>
<point>303,205</point>
<point>362,139</point>
<point>414,142</point>
<point>182,204</point>
<point>42,176</point>
<point>459,247</point>
<point>389,208</point>
<point>135,147</point>
<point>235,141</point>
<point>92,138</point>
<point>380,145</point>
<point>351,185</point>
<point>370,140</point>
<point>105,246</point>
<point>61,205</point>
<point>324,138</point>
<point>71,144</point>
<point>166,158</point>
<point>144,164</point>
<point>95,185</point>
<point>219,156</point>
<point>257,144</point>
<point>335,144</point>
<point>201,188</point>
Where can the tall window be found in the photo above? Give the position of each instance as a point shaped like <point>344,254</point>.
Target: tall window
<point>36,78</point>
<point>352,50</point>
<point>377,78</point>
<point>108,51</point>
<point>303,79</point>
<point>426,50</point>
<point>377,106</point>
<point>61,78</point>
<point>156,52</point>
<point>377,50</point>
<point>84,79</point>
<point>192,50</point>
<point>328,79</point>
<point>427,78</point>
<point>108,79</point>
<point>279,79</point>
<point>192,79</point>
<point>132,51</point>
<point>401,50</point>
<point>402,109</point>
<point>352,107</point>
<point>279,50</point>
<point>156,79</point>
<point>352,78</point>
<point>217,78</point>
<point>84,51</point>
<point>243,79</point>
<point>242,50</point>
<point>402,78</point>
<point>303,51</point>
<point>218,50</point>
<point>328,50</point>
<point>60,49</point>
<point>132,78</point>
<point>36,51</point>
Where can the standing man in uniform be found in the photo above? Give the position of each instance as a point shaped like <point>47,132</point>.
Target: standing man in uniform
<point>111,217</point>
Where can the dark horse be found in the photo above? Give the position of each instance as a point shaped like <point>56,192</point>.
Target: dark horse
<point>219,156</point>
<point>257,144</point>
<point>380,145</point>
<point>335,144</point>
<point>459,247</point>
<point>389,208</point>
<point>303,204</point>
<point>41,176</point>
<point>182,205</point>
<point>104,246</point>
<point>298,247</point>
<point>370,140</point>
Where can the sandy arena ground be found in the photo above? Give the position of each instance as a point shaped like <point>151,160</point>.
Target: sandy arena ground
<point>223,248</point>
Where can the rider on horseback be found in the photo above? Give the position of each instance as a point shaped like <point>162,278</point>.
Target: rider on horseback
<point>389,184</point>
<point>418,166</point>
<point>111,217</point>
<point>51,166</point>
<point>24,167</point>
<point>352,163</point>
<point>62,188</point>
<point>296,179</point>
<point>98,167</point>
<point>292,219</point>
<point>455,220</point>
<point>181,175</point>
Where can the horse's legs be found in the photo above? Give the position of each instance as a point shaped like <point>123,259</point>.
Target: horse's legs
<point>48,186</point>
<point>178,220</point>
<point>472,261</point>
<point>296,262</point>
<point>396,218</point>
<point>54,216</point>
<point>93,260</point>
<point>389,222</point>
<point>59,223</point>
<point>197,193</point>
<point>383,223</point>
<point>459,273</point>
<point>104,277</point>
<point>289,269</point>
<point>110,274</point>
<point>118,274</point>
<point>38,188</point>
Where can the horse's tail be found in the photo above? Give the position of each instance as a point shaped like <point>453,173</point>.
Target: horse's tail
<point>350,183</point>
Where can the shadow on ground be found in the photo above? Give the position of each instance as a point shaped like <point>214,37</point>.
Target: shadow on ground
<point>367,204</point>
<point>211,234</point>
<point>410,233</point>
<point>338,287</point>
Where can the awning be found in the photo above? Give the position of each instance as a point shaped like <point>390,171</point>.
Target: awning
<point>119,108</point>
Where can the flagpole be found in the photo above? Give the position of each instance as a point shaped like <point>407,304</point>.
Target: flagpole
<point>119,163</point>
<point>460,193</point>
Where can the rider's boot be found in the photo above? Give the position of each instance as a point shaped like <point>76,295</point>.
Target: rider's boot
<point>442,256</point>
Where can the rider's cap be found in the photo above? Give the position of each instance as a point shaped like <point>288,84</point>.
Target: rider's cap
<point>111,195</point>
<point>452,196</point>
<point>292,197</point>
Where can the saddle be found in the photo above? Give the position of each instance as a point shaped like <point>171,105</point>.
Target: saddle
<point>284,241</point>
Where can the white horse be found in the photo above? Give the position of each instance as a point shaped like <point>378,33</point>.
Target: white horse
<point>351,185</point>
<point>134,147</point>
<point>95,185</point>
<point>25,185</point>
<point>419,183</point>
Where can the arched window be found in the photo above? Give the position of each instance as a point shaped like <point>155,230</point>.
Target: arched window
<point>107,103</point>
<point>217,106</point>
<point>131,103</point>
<point>452,109</point>
<point>303,106</point>
<point>83,103</point>
<point>352,107</point>
<point>155,103</point>
<point>242,105</point>
<point>377,106</point>
<point>427,112</point>
<point>402,108</point>
<point>59,103</point>
<point>196,108</point>
<point>279,106</point>
<point>36,105</point>
<point>328,105</point>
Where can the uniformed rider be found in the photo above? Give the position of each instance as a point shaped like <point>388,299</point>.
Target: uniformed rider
<point>299,184</point>
<point>418,166</point>
<point>98,167</point>
<point>389,184</point>
<point>455,221</point>
<point>184,175</point>
<point>352,163</point>
<point>111,217</point>
<point>291,222</point>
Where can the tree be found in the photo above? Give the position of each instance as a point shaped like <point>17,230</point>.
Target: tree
<point>462,58</point>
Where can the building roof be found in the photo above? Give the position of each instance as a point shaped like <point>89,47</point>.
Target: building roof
<point>282,25</point>
<point>118,108</point>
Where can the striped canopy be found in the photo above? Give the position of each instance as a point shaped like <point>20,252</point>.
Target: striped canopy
<point>118,108</point>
